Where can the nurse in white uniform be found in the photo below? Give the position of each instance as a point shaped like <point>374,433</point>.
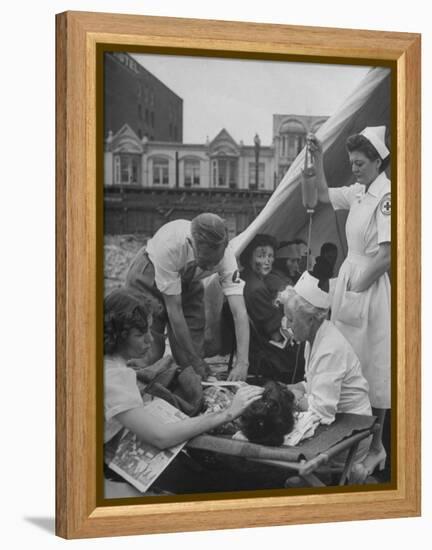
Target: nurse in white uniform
<point>334,382</point>
<point>361,303</point>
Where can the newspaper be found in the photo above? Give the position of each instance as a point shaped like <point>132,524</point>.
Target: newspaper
<point>140,463</point>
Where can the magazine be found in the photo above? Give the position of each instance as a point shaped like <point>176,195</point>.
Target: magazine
<point>140,463</point>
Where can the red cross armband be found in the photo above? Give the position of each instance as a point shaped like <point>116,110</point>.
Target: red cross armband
<point>385,205</point>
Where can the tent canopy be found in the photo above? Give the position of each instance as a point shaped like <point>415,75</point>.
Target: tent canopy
<point>284,216</point>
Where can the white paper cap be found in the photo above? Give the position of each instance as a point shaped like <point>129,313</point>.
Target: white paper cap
<point>376,135</point>
<point>307,287</point>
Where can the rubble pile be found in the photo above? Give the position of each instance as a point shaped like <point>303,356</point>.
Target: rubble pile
<point>119,250</point>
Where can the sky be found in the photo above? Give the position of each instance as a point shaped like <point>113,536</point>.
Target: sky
<point>242,95</point>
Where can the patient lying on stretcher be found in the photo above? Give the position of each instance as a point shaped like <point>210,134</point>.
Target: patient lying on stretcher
<point>266,421</point>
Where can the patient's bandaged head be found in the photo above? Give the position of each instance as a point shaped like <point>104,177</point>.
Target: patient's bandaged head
<point>267,420</point>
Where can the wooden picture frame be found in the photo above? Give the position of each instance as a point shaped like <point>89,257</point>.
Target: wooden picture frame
<point>78,326</point>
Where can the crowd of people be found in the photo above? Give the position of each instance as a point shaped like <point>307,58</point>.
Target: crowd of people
<point>321,337</point>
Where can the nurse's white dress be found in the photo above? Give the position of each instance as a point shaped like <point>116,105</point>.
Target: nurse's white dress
<point>364,317</point>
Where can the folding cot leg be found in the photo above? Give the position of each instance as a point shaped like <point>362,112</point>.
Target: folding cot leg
<point>348,464</point>
<point>313,480</point>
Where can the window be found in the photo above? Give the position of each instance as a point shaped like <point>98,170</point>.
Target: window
<point>127,169</point>
<point>283,147</point>
<point>214,173</point>
<point>225,172</point>
<point>292,146</point>
<point>191,173</point>
<point>301,142</point>
<point>117,169</point>
<point>232,173</point>
<point>160,171</point>
<point>152,119</point>
<point>252,173</point>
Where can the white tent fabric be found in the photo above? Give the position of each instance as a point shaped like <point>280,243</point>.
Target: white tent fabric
<point>284,216</point>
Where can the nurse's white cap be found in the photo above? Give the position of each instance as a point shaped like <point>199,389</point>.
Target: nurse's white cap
<point>376,135</point>
<point>307,287</point>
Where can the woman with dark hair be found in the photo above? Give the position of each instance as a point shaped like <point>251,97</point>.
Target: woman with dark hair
<point>269,419</point>
<point>361,302</point>
<point>127,322</point>
<point>265,357</point>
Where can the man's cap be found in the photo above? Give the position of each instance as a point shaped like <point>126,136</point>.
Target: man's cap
<point>210,229</point>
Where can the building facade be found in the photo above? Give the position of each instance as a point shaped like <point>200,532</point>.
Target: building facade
<point>289,138</point>
<point>134,96</point>
<point>148,183</point>
<point>220,164</point>
<point>151,176</point>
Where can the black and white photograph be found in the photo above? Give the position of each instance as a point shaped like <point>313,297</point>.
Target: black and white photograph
<point>247,276</point>
<point>194,407</point>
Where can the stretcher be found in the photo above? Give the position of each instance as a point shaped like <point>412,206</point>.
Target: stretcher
<point>307,459</point>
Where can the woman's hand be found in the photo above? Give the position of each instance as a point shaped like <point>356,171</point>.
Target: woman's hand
<point>302,405</point>
<point>298,394</point>
<point>243,398</point>
<point>379,264</point>
<point>301,402</point>
<point>353,286</point>
<point>315,144</point>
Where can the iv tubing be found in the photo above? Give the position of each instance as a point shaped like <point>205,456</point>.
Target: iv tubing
<point>310,212</point>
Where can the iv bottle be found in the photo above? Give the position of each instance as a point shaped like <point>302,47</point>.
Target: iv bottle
<point>309,184</point>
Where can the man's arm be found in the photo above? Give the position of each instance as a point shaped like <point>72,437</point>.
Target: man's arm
<point>241,325</point>
<point>182,335</point>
